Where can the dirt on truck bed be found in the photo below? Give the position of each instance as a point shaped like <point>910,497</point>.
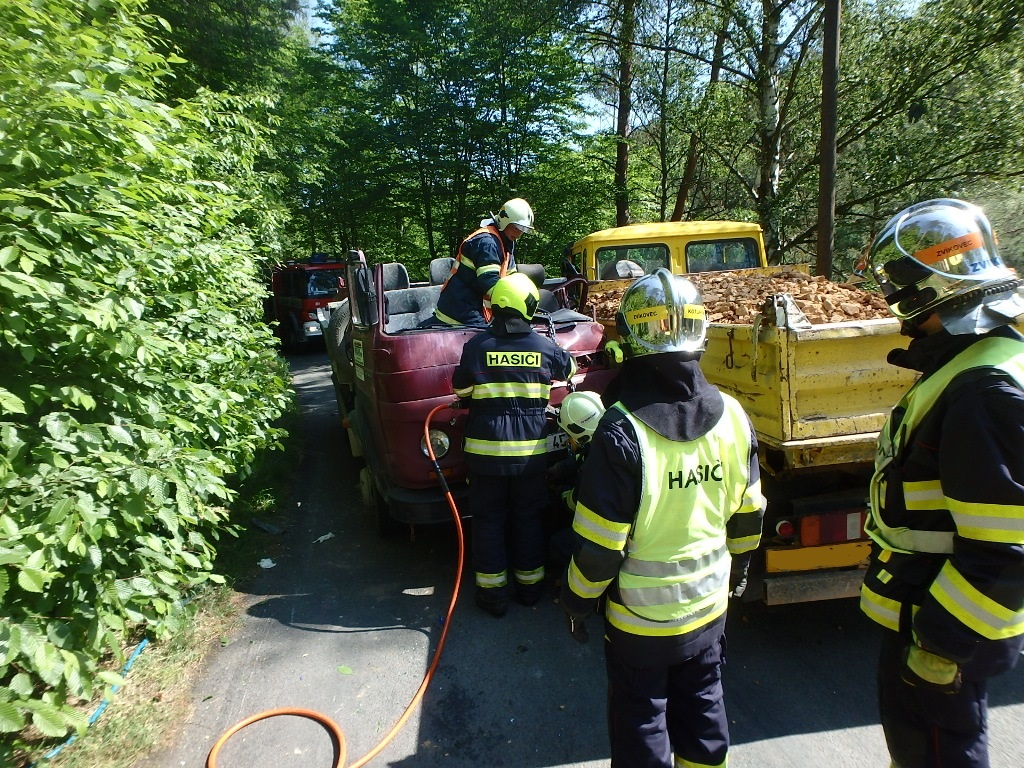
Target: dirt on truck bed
<point>735,298</point>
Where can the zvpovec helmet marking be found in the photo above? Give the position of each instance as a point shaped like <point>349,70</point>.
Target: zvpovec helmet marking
<point>940,256</point>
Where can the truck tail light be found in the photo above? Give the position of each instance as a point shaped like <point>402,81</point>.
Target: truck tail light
<point>832,527</point>
<point>785,529</point>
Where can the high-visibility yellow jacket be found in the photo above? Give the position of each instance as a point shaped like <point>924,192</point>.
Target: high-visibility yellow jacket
<point>660,516</point>
<point>947,504</point>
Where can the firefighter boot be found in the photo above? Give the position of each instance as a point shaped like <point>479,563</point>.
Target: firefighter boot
<point>496,605</point>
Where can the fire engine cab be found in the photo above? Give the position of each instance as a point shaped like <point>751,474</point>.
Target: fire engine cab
<point>298,289</point>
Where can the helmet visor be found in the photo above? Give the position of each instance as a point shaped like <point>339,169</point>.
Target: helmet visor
<point>944,240</point>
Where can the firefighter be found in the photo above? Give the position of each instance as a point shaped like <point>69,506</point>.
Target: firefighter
<point>485,256</point>
<point>578,416</point>
<point>946,574</point>
<point>505,376</point>
<point>669,491</point>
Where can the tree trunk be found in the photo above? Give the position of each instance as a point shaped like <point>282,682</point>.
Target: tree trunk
<point>625,109</point>
<point>827,174</point>
<point>690,172</point>
<point>770,135</point>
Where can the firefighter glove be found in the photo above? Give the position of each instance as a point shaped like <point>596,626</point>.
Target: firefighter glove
<point>738,575</point>
<point>926,670</point>
<point>614,350</point>
<point>574,618</point>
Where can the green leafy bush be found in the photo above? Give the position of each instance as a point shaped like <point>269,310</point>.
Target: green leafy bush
<point>136,381</point>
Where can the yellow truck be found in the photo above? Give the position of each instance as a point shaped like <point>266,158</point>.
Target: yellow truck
<point>817,394</point>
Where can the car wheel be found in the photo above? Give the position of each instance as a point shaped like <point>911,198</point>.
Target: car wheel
<point>387,526</point>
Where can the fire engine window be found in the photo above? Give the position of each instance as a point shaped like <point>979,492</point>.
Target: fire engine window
<point>627,260</point>
<point>324,282</point>
<point>720,255</point>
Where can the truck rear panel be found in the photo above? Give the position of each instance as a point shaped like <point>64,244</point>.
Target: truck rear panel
<point>817,395</point>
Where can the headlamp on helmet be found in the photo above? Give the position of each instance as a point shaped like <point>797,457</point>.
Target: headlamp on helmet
<point>940,255</point>
<point>662,312</point>
<point>515,294</point>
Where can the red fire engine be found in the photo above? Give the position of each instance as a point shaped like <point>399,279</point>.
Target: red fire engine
<point>298,289</point>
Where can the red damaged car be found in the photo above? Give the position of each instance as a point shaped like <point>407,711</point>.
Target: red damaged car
<point>389,374</point>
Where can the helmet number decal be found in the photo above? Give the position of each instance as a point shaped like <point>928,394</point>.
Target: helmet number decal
<point>950,248</point>
<point>647,314</point>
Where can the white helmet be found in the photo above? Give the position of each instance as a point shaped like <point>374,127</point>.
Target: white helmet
<point>578,416</point>
<point>662,312</point>
<point>515,211</point>
<point>940,255</point>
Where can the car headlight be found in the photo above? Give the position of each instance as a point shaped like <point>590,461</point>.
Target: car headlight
<point>439,442</point>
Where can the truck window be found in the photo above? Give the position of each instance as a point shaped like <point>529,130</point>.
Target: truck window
<point>719,255</point>
<point>626,260</point>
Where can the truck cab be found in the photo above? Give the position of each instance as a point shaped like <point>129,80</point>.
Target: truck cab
<point>390,372</point>
<point>682,247</point>
<point>298,290</point>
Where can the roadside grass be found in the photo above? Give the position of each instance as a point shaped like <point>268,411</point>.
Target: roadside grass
<point>144,715</point>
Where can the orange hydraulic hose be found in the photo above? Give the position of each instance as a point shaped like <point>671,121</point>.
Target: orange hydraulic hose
<point>326,722</point>
<point>330,725</point>
<point>451,603</point>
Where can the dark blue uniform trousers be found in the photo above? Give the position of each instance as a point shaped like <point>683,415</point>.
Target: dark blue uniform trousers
<point>927,729</point>
<point>654,711</point>
<point>511,505</point>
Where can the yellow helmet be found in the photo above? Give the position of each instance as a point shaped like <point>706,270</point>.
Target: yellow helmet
<point>662,312</point>
<point>516,294</point>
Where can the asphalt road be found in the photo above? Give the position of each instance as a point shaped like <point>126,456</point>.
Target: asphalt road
<point>346,625</point>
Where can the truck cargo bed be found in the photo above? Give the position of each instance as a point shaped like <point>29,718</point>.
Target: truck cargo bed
<point>816,394</point>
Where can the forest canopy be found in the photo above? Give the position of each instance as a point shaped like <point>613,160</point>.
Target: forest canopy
<point>415,119</point>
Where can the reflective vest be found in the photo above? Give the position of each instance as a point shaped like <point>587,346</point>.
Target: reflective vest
<point>462,297</point>
<point>1006,355</point>
<point>508,380</point>
<point>675,576</point>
